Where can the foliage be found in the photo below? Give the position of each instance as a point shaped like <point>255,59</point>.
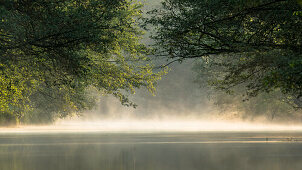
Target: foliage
<point>52,51</point>
<point>7,119</point>
<point>271,106</point>
<point>254,44</point>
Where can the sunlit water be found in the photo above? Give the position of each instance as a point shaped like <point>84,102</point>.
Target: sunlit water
<point>150,148</point>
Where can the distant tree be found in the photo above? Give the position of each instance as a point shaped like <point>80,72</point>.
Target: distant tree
<point>256,44</point>
<point>51,51</point>
<point>273,106</point>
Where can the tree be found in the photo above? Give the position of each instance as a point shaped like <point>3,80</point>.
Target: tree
<point>273,106</point>
<point>52,51</point>
<point>254,44</point>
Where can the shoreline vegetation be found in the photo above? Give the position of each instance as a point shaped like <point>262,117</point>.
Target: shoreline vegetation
<point>58,57</point>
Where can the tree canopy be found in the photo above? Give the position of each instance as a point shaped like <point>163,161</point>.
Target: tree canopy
<point>254,44</point>
<point>52,51</point>
<point>273,106</point>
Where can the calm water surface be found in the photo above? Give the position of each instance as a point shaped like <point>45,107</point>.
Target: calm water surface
<point>151,151</point>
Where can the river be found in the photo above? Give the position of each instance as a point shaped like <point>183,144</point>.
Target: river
<point>151,151</point>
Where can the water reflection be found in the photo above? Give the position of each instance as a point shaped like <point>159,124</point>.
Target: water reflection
<point>152,151</point>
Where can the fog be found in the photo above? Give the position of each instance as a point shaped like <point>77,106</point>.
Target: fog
<point>183,125</point>
<point>176,95</point>
<point>179,102</point>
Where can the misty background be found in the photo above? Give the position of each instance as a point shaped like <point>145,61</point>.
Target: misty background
<point>177,95</point>
<point>184,94</point>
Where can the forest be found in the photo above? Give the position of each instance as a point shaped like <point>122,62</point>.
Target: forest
<point>57,57</point>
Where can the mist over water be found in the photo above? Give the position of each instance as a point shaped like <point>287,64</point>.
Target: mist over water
<point>179,128</point>
<point>179,105</point>
<point>176,95</point>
